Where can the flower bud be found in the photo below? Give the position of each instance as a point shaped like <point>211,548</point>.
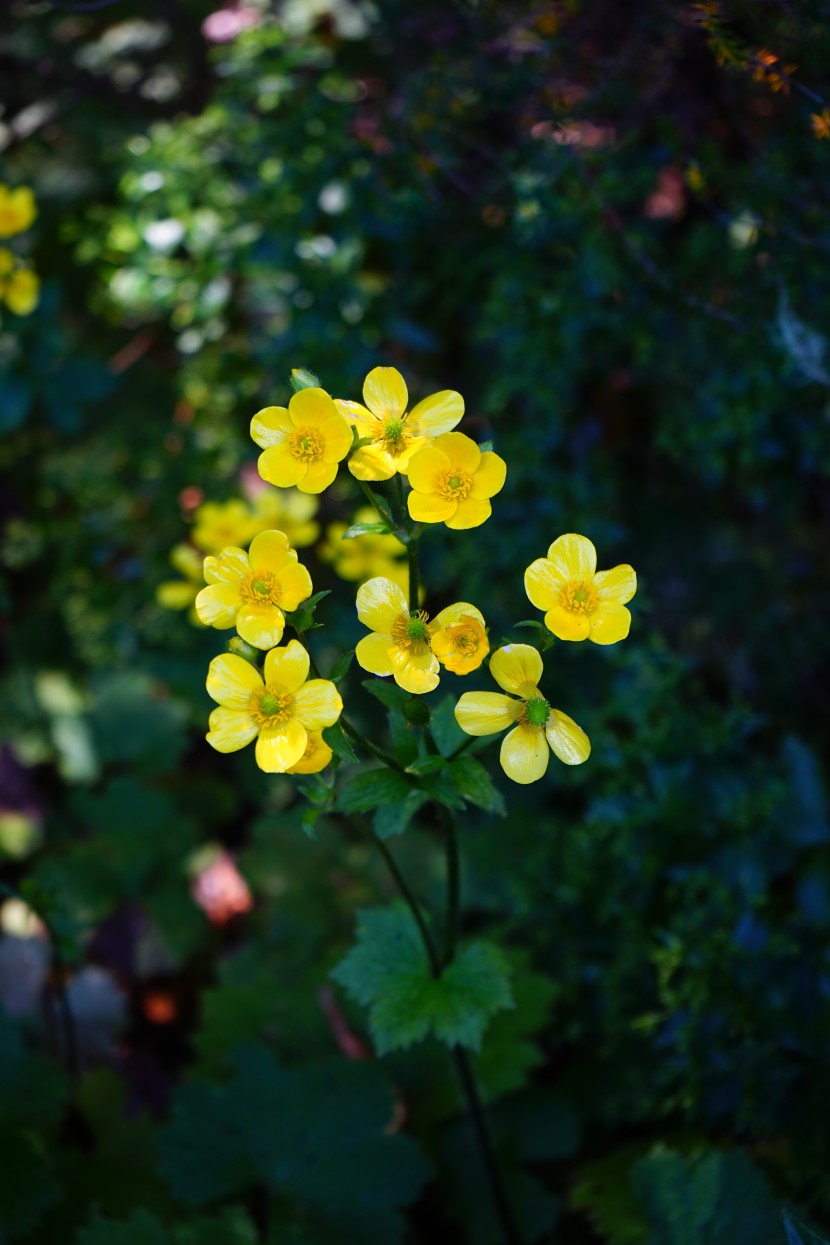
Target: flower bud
<point>243,649</point>
<point>301,378</point>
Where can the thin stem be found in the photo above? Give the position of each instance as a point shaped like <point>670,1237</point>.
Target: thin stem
<point>453,886</point>
<point>468,1084</point>
<point>403,887</point>
<point>462,747</point>
<point>400,497</point>
<point>414,575</point>
<point>380,753</point>
<point>372,500</point>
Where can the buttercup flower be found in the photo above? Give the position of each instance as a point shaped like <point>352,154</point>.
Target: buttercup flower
<point>452,482</point>
<point>316,756</point>
<point>396,434</point>
<point>279,711</point>
<point>364,557</point>
<point>219,524</point>
<point>536,726</point>
<point>459,638</point>
<point>19,285</point>
<point>180,594</point>
<point>17,210</point>
<point>401,642</point>
<point>581,602</point>
<point>251,590</point>
<point>302,444</point>
<point>289,511</point>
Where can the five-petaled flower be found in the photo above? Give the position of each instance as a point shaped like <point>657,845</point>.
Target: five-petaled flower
<point>302,444</point>
<point>580,602</point>
<point>395,432</point>
<point>400,642</point>
<point>536,726</point>
<point>452,482</point>
<point>459,638</point>
<point>281,711</point>
<point>252,590</point>
<point>17,210</point>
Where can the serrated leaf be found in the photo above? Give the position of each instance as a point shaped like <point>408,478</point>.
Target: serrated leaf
<point>388,971</point>
<point>341,667</point>
<point>445,730</point>
<point>302,618</point>
<point>441,789</point>
<point>340,744</point>
<point>372,790</point>
<point>404,738</point>
<point>476,785</point>
<point>427,765</point>
<point>393,819</point>
<point>393,697</point>
<point>378,528</point>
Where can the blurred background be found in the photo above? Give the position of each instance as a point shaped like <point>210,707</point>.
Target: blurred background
<point>606,226</point>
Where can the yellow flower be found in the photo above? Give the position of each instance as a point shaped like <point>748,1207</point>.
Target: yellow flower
<point>452,482</point>
<point>820,122</point>
<point>536,726</point>
<point>279,711</point>
<point>17,210</point>
<point>581,603</point>
<point>222,523</point>
<point>289,511</point>
<point>396,434</point>
<point>251,590</point>
<point>180,594</point>
<point>459,638</point>
<point>303,444</point>
<point>19,286</point>
<point>316,756</point>
<point>362,557</point>
<point>400,643</point>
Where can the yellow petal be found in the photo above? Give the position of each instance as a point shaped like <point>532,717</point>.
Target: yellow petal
<point>355,413</point>
<point>280,747</point>
<point>429,507</point>
<point>228,567</point>
<point>23,291</point>
<point>316,756</point>
<point>261,625</point>
<point>490,476</point>
<point>437,414</point>
<point>337,439</point>
<point>318,704</point>
<point>404,458</point>
<point>426,468</point>
<point>371,463</point>
<point>188,561</point>
<point>417,672</point>
<point>470,513</point>
<point>380,602</point>
<point>279,467</point>
<point>385,392</point>
<point>460,450</point>
<point>568,741</point>
<point>287,667</point>
<point>230,730</point>
<point>217,605</point>
<point>294,585</point>
<point>318,477</point>
<point>610,624</point>
<point>453,614</point>
<point>543,583</point>
<point>311,408</point>
<point>524,754</point>
<point>574,557</point>
<point>375,654</point>
<point>271,426</point>
<point>269,551</point>
<point>517,668</point>
<point>617,586</point>
<point>567,626</point>
<point>176,594</point>
<point>486,713</point>
<point>231,680</point>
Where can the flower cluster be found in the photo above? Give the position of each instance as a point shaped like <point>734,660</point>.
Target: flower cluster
<point>19,284</point>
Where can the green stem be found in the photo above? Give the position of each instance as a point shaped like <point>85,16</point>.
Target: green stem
<point>372,500</point>
<point>380,753</point>
<point>453,886</point>
<point>462,747</point>
<point>414,576</point>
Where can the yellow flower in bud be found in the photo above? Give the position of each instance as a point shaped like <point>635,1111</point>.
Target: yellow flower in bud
<point>219,524</point>
<point>302,444</point>
<point>316,756</point>
<point>537,728</point>
<point>17,210</point>
<point>396,433</point>
<point>280,710</point>
<point>289,511</point>
<point>252,590</point>
<point>452,482</point>
<point>180,594</point>
<point>580,602</point>
<point>459,638</point>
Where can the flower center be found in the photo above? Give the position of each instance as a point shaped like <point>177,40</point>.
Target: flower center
<point>410,632</point>
<point>393,436</point>
<point>261,588</point>
<point>579,597</point>
<point>455,484</point>
<point>269,706</point>
<point>306,444</point>
<point>536,711</point>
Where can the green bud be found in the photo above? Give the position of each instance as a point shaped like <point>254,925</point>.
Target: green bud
<point>301,378</point>
<point>243,649</point>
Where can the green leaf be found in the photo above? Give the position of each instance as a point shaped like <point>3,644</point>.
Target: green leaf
<point>427,765</point>
<point>341,667</point>
<point>388,972</point>
<point>340,743</point>
<point>379,528</point>
<point>404,739</point>
<point>140,1229</point>
<point>302,618</point>
<point>308,822</point>
<point>393,819</point>
<point>476,785</point>
<point>393,697</point>
<point>440,788</point>
<point>372,790</point>
<point>445,730</point>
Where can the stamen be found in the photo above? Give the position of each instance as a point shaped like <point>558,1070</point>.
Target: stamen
<point>579,597</point>
<point>306,445</point>
<point>455,485</point>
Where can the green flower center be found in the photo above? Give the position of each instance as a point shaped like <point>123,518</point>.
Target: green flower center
<point>261,588</point>
<point>579,597</point>
<point>270,707</point>
<point>455,484</point>
<point>411,632</point>
<point>416,629</point>
<point>536,711</point>
<point>393,436</point>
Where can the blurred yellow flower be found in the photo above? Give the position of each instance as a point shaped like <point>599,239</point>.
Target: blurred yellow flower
<point>459,638</point>
<point>19,285</point>
<point>251,590</point>
<point>536,726</point>
<point>17,210</point>
<point>316,756</point>
<point>219,524</point>
<point>396,434</point>
<point>820,122</point>
<point>280,710</point>
<point>289,511</point>
<point>581,602</point>
<point>304,444</point>
<point>363,557</point>
<point>180,594</point>
<point>452,482</point>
